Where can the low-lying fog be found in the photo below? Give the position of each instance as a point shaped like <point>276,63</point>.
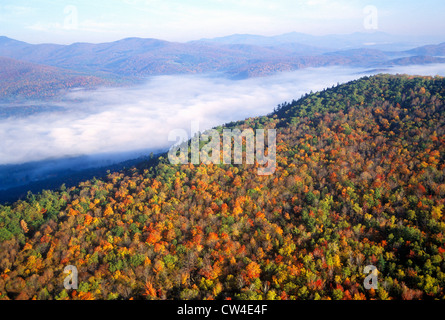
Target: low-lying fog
<point>110,121</point>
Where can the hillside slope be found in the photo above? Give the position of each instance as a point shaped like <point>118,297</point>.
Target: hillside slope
<point>25,80</point>
<point>359,181</point>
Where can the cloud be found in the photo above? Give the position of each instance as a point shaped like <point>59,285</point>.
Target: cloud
<point>45,26</point>
<point>17,10</point>
<point>140,118</point>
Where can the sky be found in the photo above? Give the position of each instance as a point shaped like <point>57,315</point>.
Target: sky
<point>65,22</point>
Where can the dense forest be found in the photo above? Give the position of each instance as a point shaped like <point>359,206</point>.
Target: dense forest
<point>359,181</point>
<point>21,80</point>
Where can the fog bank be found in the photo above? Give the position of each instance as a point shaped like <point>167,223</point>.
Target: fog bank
<point>140,118</point>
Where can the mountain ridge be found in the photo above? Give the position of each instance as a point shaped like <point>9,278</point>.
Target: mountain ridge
<point>130,60</point>
<point>148,56</point>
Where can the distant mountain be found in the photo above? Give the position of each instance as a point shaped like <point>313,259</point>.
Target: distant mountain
<point>416,60</point>
<point>136,56</point>
<point>79,56</point>
<point>365,53</point>
<point>11,46</point>
<point>429,50</point>
<point>284,42</point>
<point>20,79</point>
<point>237,56</point>
<point>374,40</point>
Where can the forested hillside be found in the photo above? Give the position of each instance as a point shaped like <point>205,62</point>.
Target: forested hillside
<point>24,80</point>
<point>359,181</point>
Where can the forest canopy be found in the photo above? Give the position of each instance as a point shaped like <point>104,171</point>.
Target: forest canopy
<point>359,181</point>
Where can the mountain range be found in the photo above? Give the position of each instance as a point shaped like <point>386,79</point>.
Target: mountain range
<point>235,56</point>
<point>373,40</point>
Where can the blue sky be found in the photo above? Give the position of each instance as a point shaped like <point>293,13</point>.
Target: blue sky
<point>38,21</point>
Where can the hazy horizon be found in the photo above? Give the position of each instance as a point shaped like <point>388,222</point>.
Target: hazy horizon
<point>427,40</point>
<point>68,22</point>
